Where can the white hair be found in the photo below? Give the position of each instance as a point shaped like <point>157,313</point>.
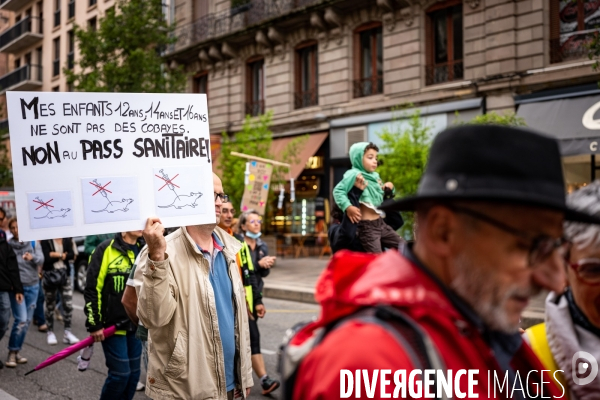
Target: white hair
<point>587,200</point>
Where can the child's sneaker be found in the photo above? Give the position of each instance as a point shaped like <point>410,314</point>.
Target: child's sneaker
<point>83,360</point>
<point>69,338</point>
<point>51,338</point>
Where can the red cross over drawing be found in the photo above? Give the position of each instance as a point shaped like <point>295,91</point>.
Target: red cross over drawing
<point>167,181</point>
<point>47,204</point>
<point>101,188</point>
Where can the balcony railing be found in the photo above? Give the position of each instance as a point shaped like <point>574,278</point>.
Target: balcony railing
<point>13,5</point>
<point>56,18</point>
<point>255,108</point>
<point>368,86</point>
<point>446,72</point>
<point>572,46</point>
<point>71,9</point>
<point>235,19</point>
<point>21,35</point>
<point>27,77</point>
<point>70,60</point>
<point>306,99</point>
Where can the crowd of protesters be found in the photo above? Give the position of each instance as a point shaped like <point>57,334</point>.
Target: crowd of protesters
<point>493,228</point>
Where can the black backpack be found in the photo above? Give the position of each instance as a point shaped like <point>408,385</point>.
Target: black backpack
<point>411,337</point>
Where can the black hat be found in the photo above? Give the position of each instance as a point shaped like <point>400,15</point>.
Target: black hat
<point>493,163</point>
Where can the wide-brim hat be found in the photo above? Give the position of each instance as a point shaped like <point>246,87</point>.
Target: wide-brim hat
<point>495,164</point>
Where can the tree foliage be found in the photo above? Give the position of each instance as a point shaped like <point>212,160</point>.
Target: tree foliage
<point>493,118</point>
<point>254,139</point>
<point>124,53</point>
<point>404,156</point>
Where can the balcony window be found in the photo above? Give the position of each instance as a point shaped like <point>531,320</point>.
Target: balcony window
<point>71,50</point>
<point>93,2</point>
<point>56,60</point>
<point>72,9</point>
<point>92,24</point>
<point>255,84</point>
<point>444,41</point>
<point>306,76</point>
<point>57,12</point>
<point>573,24</point>
<point>368,60</point>
<point>201,83</point>
<point>40,7</point>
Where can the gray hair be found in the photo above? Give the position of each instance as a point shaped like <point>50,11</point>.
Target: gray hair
<point>243,218</point>
<point>587,200</point>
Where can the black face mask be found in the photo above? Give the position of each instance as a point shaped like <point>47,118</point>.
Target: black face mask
<point>578,316</point>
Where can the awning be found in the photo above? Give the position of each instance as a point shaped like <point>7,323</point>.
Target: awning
<point>309,148</point>
<point>575,122</point>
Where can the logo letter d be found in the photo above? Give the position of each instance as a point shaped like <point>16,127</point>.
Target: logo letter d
<point>580,368</point>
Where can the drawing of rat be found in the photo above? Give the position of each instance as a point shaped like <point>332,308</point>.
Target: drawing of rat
<point>55,213</point>
<point>114,206</point>
<point>182,201</point>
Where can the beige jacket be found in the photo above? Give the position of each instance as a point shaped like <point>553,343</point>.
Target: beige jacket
<point>176,303</point>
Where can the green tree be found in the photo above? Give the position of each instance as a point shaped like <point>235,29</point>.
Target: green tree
<point>493,118</point>
<point>6,175</point>
<point>124,53</point>
<point>403,156</point>
<point>254,139</point>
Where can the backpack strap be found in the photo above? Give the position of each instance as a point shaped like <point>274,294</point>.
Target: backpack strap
<point>410,336</point>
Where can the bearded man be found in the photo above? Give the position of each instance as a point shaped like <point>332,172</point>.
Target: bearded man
<point>490,209</point>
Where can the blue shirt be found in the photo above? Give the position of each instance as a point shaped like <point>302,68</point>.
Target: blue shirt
<point>221,284</point>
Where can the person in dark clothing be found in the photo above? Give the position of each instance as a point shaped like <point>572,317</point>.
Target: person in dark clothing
<point>57,254</point>
<point>10,282</point>
<point>343,234</point>
<point>255,257</point>
<point>110,266</point>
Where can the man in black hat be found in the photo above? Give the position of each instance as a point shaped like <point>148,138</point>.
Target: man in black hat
<point>490,209</point>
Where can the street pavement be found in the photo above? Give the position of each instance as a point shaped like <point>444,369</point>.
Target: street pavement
<point>63,381</point>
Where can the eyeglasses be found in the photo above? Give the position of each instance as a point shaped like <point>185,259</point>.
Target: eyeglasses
<point>541,247</point>
<point>256,221</point>
<point>224,198</point>
<point>587,270</point>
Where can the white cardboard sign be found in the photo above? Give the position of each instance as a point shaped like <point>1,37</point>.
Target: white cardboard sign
<point>92,163</point>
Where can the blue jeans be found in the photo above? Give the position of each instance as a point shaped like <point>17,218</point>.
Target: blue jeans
<point>22,313</point>
<point>4,312</point>
<point>38,314</point>
<point>122,353</point>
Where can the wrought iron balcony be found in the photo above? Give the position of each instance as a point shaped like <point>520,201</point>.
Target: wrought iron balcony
<point>235,19</point>
<point>27,77</point>
<point>368,86</point>
<point>255,108</point>
<point>306,99</point>
<point>445,72</point>
<point>14,5</point>
<point>21,35</point>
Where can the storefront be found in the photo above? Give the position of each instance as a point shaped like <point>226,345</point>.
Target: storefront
<point>347,131</point>
<point>573,117</point>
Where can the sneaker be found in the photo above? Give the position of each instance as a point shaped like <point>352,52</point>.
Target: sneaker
<point>83,360</point>
<point>11,362</point>
<point>269,385</point>
<point>20,360</point>
<point>69,338</point>
<point>140,386</point>
<point>51,338</point>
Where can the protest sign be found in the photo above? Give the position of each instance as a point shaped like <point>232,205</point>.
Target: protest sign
<point>92,163</point>
<point>257,191</point>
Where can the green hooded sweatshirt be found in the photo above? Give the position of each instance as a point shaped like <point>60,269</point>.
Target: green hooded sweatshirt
<point>373,193</point>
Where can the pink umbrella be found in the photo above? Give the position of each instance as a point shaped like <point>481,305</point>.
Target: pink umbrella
<point>71,349</point>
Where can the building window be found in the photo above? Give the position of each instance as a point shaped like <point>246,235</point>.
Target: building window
<point>55,89</point>
<point>255,87</point>
<point>306,76</point>
<point>57,12</point>
<point>93,2</point>
<point>71,50</point>
<point>40,8</point>
<point>201,83</point>
<point>56,60</point>
<point>92,24</point>
<point>368,60</point>
<point>71,9</point>
<point>573,25</point>
<point>444,30</point>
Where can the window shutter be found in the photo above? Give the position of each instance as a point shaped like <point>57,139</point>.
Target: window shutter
<point>355,135</point>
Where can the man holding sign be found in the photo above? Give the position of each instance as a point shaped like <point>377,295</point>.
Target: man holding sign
<point>199,339</point>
